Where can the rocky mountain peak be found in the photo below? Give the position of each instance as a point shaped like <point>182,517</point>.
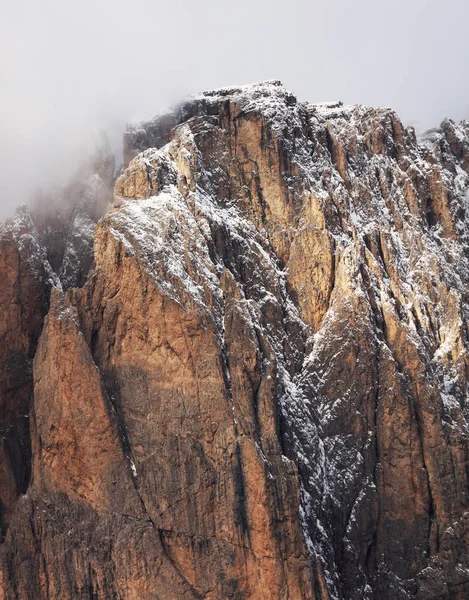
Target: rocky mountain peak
<point>256,385</point>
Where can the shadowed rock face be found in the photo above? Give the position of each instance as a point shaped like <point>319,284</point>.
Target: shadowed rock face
<point>24,292</point>
<point>49,246</point>
<point>260,388</point>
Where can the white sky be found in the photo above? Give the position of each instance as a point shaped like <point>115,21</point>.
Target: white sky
<point>69,69</point>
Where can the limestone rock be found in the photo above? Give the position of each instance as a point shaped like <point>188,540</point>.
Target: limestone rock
<point>259,390</point>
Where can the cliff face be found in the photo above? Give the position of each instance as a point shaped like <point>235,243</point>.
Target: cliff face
<point>49,246</point>
<point>259,389</point>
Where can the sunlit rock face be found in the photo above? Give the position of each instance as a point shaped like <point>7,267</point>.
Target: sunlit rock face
<point>255,385</point>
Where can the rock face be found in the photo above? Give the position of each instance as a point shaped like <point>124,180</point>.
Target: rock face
<point>259,389</point>
<point>49,246</point>
<point>23,300</point>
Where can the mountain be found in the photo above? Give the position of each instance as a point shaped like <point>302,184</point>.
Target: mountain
<point>255,386</point>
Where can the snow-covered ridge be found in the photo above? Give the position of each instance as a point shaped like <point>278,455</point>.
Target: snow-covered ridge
<point>341,239</point>
<point>349,185</point>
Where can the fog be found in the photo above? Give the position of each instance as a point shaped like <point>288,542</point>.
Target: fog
<point>69,70</point>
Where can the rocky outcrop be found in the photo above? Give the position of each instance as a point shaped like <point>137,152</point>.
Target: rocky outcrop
<point>24,302</point>
<point>260,388</point>
<point>50,245</point>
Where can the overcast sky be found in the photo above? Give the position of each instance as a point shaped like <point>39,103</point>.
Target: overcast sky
<point>68,69</point>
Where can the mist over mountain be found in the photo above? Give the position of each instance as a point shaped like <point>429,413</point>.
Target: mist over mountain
<point>238,367</point>
<point>234,323</point>
<point>69,72</point>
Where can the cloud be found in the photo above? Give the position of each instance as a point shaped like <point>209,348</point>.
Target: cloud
<point>69,70</point>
